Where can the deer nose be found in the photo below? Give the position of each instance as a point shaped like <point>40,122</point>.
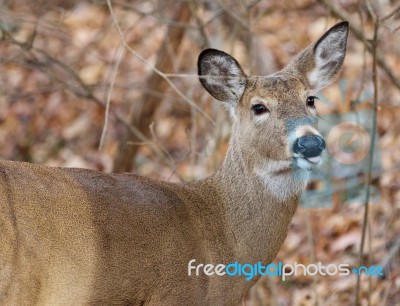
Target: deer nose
<point>309,146</point>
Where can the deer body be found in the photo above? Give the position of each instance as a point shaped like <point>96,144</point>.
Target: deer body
<point>82,237</point>
<point>87,248</point>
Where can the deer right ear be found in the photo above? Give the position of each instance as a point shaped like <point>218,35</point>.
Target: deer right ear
<point>221,75</point>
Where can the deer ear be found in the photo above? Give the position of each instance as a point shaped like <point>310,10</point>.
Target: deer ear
<point>320,63</point>
<point>329,53</point>
<point>221,75</point>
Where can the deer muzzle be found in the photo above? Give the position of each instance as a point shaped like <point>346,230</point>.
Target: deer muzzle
<point>310,147</point>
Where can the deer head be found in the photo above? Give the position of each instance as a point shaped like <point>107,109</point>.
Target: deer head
<point>275,126</point>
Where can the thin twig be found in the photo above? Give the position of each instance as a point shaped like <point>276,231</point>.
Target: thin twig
<point>310,239</point>
<point>374,44</point>
<point>393,252</point>
<point>153,14</point>
<point>172,163</point>
<point>392,14</point>
<point>109,94</point>
<point>200,24</point>
<point>364,65</point>
<point>80,89</point>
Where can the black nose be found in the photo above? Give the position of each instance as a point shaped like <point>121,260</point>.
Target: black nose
<point>309,146</point>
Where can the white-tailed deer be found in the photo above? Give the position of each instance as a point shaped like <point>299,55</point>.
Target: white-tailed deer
<point>82,237</point>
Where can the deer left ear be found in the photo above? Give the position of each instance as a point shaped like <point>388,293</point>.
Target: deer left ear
<point>320,63</point>
<point>329,53</point>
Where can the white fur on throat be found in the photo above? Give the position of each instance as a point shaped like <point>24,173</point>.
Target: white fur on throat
<point>281,182</point>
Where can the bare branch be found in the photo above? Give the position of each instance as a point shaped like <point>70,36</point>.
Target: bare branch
<point>374,46</point>
<point>146,107</point>
<point>157,71</point>
<point>109,93</point>
<point>395,12</point>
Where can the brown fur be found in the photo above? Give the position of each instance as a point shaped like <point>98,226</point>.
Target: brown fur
<point>82,237</point>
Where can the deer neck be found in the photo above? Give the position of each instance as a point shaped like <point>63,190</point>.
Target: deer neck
<point>256,204</point>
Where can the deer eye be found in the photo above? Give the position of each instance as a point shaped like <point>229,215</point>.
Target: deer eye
<point>310,101</point>
<point>259,109</point>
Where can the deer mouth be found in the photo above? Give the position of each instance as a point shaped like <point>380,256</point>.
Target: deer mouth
<point>314,160</point>
<point>307,163</point>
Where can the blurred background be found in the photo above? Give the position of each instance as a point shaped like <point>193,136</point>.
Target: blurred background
<point>113,87</point>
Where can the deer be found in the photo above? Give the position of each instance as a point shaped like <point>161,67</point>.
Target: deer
<point>82,237</point>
